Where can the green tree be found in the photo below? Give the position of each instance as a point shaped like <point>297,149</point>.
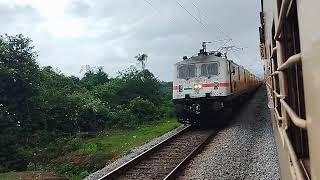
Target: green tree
<point>53,104</point>
<point>19,84</point>
<point>142,59</point>
<point>144,110</point>
<point>94,77</point>
<point>130,84</point>
<point>88,112</point>
<point>42,106</point>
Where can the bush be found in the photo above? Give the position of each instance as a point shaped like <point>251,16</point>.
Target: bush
<point>88,112</point>
<point>124,118</point>
<point>41,109</point>
<point>144,110</point>
<point>167,109</point>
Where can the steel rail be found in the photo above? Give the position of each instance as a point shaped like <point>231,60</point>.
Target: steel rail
<point>116,172</point>
<point>177,170</point>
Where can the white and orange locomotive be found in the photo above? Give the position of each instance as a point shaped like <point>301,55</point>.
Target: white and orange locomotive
<point>208,83</point>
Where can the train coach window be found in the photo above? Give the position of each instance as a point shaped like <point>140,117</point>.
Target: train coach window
<point>209,69</point>
<point>294,80</point>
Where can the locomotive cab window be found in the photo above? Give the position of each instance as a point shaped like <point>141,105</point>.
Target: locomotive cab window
<point>186,71</point>
<point>211,69</point>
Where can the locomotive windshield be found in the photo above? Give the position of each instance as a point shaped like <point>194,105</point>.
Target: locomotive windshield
<point>186,71</point>
<point>209,69</point>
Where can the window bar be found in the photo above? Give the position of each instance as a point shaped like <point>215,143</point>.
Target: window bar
<point>278,117</point>
<point>275,73</point>
<point>282,15</point>
<point>294,117</point>
<point>277,114</point>
<point>293,157</point>
<point>269,93</point>
<point>278,95</point>
<point>274,52</point>
<point>291,61</point>
<point>269,86</point>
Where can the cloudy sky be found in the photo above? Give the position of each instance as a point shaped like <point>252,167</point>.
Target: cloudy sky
<point>69,34</point>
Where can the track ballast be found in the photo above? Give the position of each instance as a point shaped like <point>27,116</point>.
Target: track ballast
<point>167,159</point>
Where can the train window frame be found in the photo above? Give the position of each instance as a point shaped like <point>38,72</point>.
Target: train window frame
<point>294,84</point>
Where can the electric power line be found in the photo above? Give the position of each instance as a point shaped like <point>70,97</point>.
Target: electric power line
<point>219,28</point>
<point>204,27</point>
<point>196,19</point>
<point>199,12</point>
<point>148,2</point>
<point>155,9</point>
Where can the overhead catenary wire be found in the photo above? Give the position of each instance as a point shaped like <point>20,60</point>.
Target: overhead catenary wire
<point>198,20</point>
<point>155,9</point>
<point>219,28</point>
<point>199,12</point>
<point>204,27</point>
<point>195,18</point>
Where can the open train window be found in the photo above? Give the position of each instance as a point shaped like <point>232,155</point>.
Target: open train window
<point>295,97</point>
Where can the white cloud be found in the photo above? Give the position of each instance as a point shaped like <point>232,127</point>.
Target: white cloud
<point>72,33</point>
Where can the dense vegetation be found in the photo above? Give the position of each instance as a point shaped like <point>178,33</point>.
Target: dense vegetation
<point>44,112</point>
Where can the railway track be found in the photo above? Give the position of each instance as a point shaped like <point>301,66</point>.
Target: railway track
<point>167,159</point>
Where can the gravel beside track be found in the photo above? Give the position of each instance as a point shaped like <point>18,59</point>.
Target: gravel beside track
<point>245,149</point>
<point>134,153</point>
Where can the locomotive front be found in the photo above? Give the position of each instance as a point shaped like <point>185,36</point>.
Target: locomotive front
<point>201,84</point>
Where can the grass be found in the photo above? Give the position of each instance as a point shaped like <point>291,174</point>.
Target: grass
<point>121,141</point>
<point>8,175</point>
<point>29,175</point>
<point>93,154</point>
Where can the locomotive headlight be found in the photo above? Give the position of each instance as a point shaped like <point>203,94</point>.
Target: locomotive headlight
<point>197,86</point>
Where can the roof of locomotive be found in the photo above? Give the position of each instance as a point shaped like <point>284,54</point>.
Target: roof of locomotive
<point>201,59</point>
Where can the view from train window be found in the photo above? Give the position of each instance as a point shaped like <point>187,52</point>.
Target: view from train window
<point>159,89</point>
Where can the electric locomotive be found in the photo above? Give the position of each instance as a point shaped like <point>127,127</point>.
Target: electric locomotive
<point>208,83</point>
